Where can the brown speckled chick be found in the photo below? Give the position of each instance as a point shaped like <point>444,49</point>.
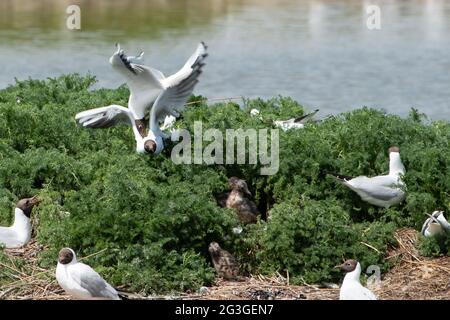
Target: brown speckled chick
<point>245,208</point>
<point>225,264</point>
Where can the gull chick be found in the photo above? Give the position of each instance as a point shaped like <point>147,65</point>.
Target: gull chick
<point>19,233</point>
<point>382,191</point>
<point>245,208</point>
<point>435,225</point>
<point>151,94</point>
<point>80,280</point>
<point>225,264</point>
<point>352,288</point>
<point>295,123</point>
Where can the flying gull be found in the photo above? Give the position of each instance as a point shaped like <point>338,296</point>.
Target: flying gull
<point>151,93</point>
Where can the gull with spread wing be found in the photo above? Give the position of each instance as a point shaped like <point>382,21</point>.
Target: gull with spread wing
<point>151,93</point>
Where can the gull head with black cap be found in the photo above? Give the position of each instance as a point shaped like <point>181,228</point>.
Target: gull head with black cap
<point>19,233</point>
<point>67,256</point>
<point>352,288</point>
<point>27,205</point>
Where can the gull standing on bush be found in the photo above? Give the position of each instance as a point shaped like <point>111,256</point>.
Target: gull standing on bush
<point>435,225</point>
<point>19,234</point>
<point>150,92</point>
<point>80,280</point>
<point>351,288</point>
<point>245,208</point>
<point>295,123</point>
<point>383,191</point>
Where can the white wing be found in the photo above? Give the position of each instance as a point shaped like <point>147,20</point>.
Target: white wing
<point>367,294</point>
<point>144,82</point>
<point>93,282</point>
<point>305,118</point>
<point>356,292</point>
<point>180,87</point>
<point>382,187</point>
<point>425,226</point>
<point>105,117</point>
<point>8,238</point>
<point>196,58</point>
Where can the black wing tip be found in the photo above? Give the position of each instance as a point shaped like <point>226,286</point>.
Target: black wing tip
<point>340,177</point>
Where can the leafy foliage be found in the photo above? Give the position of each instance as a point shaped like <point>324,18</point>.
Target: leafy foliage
<point>157,218</point>
<point>435,246</point>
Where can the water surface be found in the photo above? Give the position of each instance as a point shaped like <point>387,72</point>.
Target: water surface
<point>319,52</point>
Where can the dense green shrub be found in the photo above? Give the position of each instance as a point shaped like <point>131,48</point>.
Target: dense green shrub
<point>435,246</point>
<point>156,218</point>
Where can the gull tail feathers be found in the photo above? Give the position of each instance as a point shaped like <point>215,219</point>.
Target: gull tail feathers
<point>340,177</point>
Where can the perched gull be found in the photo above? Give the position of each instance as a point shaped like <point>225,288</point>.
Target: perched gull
<point>225,264</point>
<point>295,123</point>
<point>150,93</point>
<point>435,225</point>
<point>383,191</point>
<point>80,280</point>
<point>19,233</point>
<point>351,288</point>
<point>245,208</point>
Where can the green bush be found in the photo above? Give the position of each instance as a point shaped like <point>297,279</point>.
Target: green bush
<point>156,218</point>
<point>435,246</point>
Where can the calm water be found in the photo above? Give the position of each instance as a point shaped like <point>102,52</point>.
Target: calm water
<point>318,51</point>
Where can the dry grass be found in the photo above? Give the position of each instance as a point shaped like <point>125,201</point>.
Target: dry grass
<point>29,281</point>
<point>412,277</point>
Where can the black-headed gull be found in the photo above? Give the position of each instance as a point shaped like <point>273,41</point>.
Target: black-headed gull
<point>150,92</point>
<point>435,225</point>
<point>19,233</point>
<point>245,208</point>
<point>383,191</point>
<point>351,288</point>
<point>80,280</point>
<point>225,264</point>
<point>295,123</point>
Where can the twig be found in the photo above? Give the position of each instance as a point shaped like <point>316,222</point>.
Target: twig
<point>370,246</point>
